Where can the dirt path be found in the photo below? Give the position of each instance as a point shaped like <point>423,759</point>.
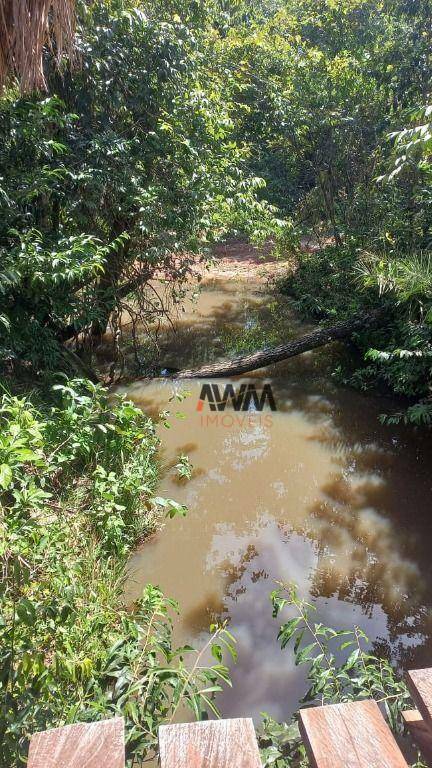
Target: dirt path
<point>239,260</point>
<point>242,261</point>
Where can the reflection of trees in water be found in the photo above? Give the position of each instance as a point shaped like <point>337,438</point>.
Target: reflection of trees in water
<point>234,573</point>
<point>385,564</point>
<point>199,332</point>
<point>372,532</point>
<point>213,608</point>
<point>209,610</point>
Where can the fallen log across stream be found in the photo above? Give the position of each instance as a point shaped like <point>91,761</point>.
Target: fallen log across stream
<point>263,357</point>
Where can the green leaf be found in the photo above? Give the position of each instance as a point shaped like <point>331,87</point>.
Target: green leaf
<point>26,612</point>
<point>5,476</point>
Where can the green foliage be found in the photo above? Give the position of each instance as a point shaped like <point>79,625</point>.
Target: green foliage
<point>408,277</point>
<point>405,362</point>
<point>186,123</point>
<point>340,668</point>
<point>319,84</point>
<point>334,283</point>
<point>77,480</point>
<point>333,100</point>
<point>412,145</point>
<point>281,745</point>
<point>323,284</point>
<point>129,166</point>
<point>419,414</point>
<point>406,371</point>
<point>184,467</point>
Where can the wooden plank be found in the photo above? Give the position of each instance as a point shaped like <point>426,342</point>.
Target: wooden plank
<point>352,735</point>
<point>419,683</point>
<point>82,745</point>
<point>421,733</point>
<point>209,744</point>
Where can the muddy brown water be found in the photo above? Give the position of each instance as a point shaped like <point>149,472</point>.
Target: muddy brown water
<point>318,493</point>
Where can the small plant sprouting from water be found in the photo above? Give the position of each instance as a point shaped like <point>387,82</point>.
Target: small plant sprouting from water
<point>179,395</point>
<point>184,467</point>
<point>341,668</point>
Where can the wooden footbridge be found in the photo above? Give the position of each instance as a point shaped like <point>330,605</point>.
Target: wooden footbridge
<point>352,735</point>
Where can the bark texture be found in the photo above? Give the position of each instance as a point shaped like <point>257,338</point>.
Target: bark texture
<point>26,28</point>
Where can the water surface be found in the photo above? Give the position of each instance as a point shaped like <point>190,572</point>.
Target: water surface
<point>319,493</point>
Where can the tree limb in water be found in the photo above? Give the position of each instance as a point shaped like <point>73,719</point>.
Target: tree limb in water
<point>262,358</point>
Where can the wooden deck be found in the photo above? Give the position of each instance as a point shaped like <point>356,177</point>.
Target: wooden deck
<point>419,683</point>
<point>351,735</point>
<point>210,744</point>
<point>84,745</point>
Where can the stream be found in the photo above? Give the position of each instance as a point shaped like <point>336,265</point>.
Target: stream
<point>317,492</point>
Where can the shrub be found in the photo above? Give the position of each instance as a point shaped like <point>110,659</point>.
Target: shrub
<point>77,480</point>
<point>340,668</point>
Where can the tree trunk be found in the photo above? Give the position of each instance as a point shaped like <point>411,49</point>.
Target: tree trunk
<point>264,357</point>
<point>79,365</point>
<point>327,193</point>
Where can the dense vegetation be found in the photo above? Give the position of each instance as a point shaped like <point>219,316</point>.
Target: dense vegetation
<point>183,123</point>
<point>77,480</point>
<point>334,103</point>
<point>179,124</point>
<point>120,172</point>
